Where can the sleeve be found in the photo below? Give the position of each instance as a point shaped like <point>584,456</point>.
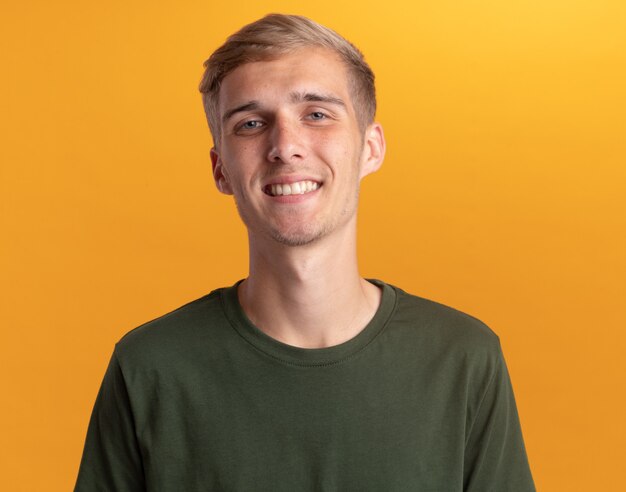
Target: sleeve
<point>495,455</point>
<point>111,458</point>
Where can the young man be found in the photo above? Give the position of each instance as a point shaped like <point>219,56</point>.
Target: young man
<point>303,376</point>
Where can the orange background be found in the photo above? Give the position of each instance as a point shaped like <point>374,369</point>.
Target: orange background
<point>503,194</point>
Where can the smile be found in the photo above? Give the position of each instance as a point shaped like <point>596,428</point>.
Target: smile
<point>297,188</point>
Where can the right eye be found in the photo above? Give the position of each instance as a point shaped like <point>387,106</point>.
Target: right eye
<point>251,125</point>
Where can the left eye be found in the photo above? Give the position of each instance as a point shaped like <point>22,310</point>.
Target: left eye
<point>317,115</point>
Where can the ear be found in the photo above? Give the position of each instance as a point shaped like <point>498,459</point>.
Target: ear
<point>219,173</point>
<point>373,149</point>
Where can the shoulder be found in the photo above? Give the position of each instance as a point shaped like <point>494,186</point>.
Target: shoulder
<point>436,316</point>
<point>439,329</point>
<point>174,333</point>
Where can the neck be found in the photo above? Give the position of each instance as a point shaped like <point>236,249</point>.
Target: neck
<point>308,296</point>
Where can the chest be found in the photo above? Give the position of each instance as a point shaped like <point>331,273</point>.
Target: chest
<point>266,427</point>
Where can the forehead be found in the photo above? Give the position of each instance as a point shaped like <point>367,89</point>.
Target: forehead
<point>304,70</point>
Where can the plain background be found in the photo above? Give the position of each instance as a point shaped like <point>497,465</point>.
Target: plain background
<point>503,194</point>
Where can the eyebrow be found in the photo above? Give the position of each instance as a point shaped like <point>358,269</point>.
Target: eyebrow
<point>295,97</point>
<point>251,105</point>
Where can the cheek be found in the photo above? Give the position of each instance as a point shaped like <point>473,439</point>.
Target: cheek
<point>238,165</point>
<point>235,147</point>
<point>348,161</point>
<point>338,151</point>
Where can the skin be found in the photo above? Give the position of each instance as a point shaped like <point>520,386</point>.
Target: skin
<point>285,120</point>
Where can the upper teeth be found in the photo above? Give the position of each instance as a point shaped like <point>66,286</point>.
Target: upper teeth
<point>297,188</point>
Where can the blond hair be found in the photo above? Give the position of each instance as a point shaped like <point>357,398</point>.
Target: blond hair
<point>275,35</point>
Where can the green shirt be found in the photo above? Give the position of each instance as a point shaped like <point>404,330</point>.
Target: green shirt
<point>202,400</point>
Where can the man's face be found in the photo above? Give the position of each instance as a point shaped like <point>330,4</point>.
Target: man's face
<point>291,151</point>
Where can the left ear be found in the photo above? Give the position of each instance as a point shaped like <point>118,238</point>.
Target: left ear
<point>373,150</point>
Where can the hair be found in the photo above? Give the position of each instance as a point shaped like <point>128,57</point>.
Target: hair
<point>275,35</point>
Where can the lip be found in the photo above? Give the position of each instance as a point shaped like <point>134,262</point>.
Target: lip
<point>290,178</point>
<point>293,198</point>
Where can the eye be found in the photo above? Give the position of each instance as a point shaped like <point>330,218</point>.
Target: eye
<point>251,125</point>
<point>317,115</point>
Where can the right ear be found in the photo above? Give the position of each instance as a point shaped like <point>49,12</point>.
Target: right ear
<point>219,173</point>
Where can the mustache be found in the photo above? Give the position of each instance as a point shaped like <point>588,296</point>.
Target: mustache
<point>287,170</point>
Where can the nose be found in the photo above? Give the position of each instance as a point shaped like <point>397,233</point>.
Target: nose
<point>286,142</point>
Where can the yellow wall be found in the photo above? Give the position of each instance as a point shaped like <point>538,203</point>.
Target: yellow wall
<point>503,195</point>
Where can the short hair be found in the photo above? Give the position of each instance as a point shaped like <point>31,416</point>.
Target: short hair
<point>275,35</point>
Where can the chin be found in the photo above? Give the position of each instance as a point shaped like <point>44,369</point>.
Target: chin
<point>300,237</point>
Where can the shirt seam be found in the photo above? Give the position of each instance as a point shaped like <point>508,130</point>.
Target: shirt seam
<point>314,364</point>
<point>132,413</point>
<point>482,400</point>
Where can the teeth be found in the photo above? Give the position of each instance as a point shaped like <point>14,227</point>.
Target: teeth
<point>298,188</point>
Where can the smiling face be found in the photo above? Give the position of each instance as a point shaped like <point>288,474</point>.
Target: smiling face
<point>291,151</point>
